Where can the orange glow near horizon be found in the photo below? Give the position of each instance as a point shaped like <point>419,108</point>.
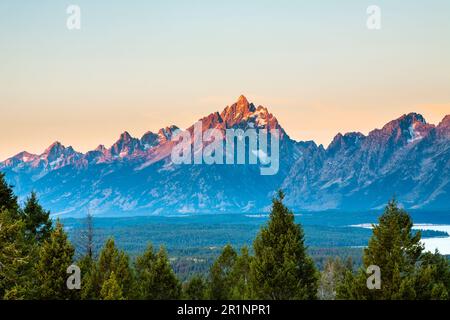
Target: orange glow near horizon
<point>85,134</point>
<point>145,66</point>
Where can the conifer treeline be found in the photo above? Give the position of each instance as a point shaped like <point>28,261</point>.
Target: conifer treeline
<point>35,255</point>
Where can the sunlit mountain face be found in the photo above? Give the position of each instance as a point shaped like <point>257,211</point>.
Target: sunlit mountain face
<point>407,158</point>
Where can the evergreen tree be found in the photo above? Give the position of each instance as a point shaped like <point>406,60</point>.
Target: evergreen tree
<point>145,274</point>
<point>112,259</point>
<point>155,277</point>
<point>281,268</point>
<point>168,285</point>
<point>111,289</point>
<point>8,201</point>
<point>89,278</point>
<point>241,276</point>
<point>14,254</point>
<point>396,250</point>
<point>221,275</point>
<point>55,256</point>
<point>37,221</point>
<point>432,279</point>
<point>195,289</point>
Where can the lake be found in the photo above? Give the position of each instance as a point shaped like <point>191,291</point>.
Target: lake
<point>440,243</point>
<point>431,244</point>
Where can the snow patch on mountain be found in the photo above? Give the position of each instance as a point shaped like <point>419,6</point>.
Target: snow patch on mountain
<point>415,135</point>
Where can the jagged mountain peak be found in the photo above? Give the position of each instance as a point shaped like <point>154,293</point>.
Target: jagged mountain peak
<point>261,109</point>
<point>125,146</point>
<point>148,133</point>
<point>101,148</point>
<point>349,137</point>
<point>242,105</point>
<point>165,134</point>
<point>149,140</point>
<point>125,136</point>
<point>56,150</point>
<point>355,135</point>
<point>238,110</point>
<point>25,156</point>
<point>21,157</point>
<point>413,117</point>
<point>242,100</point>
<point>408,128</point>
<point>56,156</point>
<point>169,129</point>
<point>54,146</point>
<point>244,113</point>
<point>404,121</point>
<point>348,140</point>
<point>443,128</point>
<point>445,122</point>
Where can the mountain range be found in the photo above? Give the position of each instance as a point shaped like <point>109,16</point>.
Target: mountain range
<point>407,158</point>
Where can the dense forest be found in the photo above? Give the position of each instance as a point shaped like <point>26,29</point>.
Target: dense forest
<point>37,260</point>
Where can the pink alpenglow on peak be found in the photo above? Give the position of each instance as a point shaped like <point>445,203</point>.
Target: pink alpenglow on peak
<point>355,172</point>
<point>165,134</point>
<point>101,148</point>
<point>445,122</point>
<point>126,146</point>
<point>25,156</point>
<point>444,127</point>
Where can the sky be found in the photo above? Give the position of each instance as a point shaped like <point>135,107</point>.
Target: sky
<point>141,65</point>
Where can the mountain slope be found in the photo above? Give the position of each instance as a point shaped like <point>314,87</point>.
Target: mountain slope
<point>407,158</point>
